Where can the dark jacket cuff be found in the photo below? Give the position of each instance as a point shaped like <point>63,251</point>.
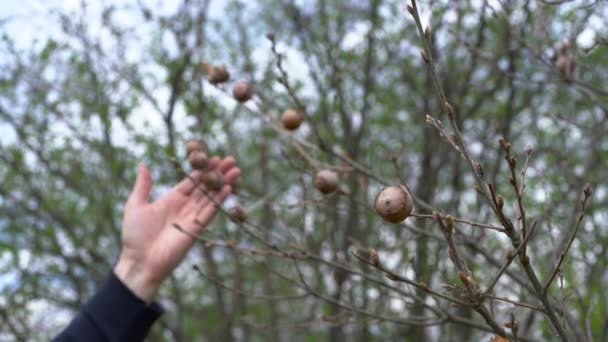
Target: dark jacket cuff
<point>119,313</point>
<point>113,314</point>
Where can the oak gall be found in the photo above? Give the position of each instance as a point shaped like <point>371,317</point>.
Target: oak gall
<point>195,145</point>
<point>237,214</point>
<point>218,74</point>
<point>291,119</point>
<point>326,181</point>
<point>394,204</point>
<point>198,160</point>
<point>242,91</point>
<point>212,180</point>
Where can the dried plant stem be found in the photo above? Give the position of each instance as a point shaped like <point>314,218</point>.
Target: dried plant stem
<point>525,305</point>
<point>447,108</point>
<point>466,276</point>
<point>510,258</point>
<point>419,285</point>
<point>562,255</point>
<point>284,80</point>
<point>485,191</point>
<point>461,220</point>
<point>530,273</point>
<point>521,214</point>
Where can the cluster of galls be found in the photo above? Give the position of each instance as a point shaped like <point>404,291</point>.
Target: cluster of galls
<point>197,153</point>
<point>241,90</point>
<point>393,203</point>
<point>211,179</point>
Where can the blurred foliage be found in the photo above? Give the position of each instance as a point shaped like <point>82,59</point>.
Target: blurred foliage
<point>121,84</point>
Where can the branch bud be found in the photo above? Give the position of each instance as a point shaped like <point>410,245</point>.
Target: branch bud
<point>373,257</point>
<point>479,169</point>
<point>511,324</point>
<point>391,276</point>
<point>587,190</point>
<point>500,202</point>
<point>504,144</point>
<point>410,9</point>
<point>449,109</point>
<point>425,57</point>
<point>427,32</point>
<point>449,220</point>
<point>465,279</point>
<point>270,36</point>
<point>447,287</point>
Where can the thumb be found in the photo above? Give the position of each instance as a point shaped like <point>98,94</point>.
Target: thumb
<point>142,187</point>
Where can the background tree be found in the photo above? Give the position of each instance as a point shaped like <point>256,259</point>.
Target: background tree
<point>385,99</point>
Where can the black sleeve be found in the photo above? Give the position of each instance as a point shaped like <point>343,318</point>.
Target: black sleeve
<point>113,314</point>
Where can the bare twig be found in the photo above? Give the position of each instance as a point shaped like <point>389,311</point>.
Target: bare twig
<point>525,305</point>
<point>466,276</point>
<point>562,255</point>
<point>284,80</point>
<point>461,220</point>
<point>447,108</point>
<point>418,321</point>
<point>420,285</point>
<point>485,191</point>
<point>510,257</point>
<point>512,161</point>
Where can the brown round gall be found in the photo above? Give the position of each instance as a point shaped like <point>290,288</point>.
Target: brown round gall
<point>198,160</point>
<point>218,74</point>
<point>195,145</point>
<point>242,91</point>
<point>291,119</point>
<point>237,214</point>
<point>212,180</point>
<point>394,204</point>
<point>326,181</point>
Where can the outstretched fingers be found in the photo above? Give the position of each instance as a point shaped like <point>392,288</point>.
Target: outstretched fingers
<point>187,185</point>
<point>204,217</point>
<point>226,164</point>
<point>232,175</point>
<point>142,187</point>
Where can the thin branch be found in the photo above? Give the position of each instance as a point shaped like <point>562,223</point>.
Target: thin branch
<point>461,220</point>
<point>525,305</point>
<point>249,295</point>
<point>419,285</point>
<point>562,256</point>
<point>510,258</point>
<point>417,322</point>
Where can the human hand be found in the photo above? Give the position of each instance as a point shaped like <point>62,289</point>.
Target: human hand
<point>151,246</point>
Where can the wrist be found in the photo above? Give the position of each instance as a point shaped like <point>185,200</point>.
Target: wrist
<point>136,279</point>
